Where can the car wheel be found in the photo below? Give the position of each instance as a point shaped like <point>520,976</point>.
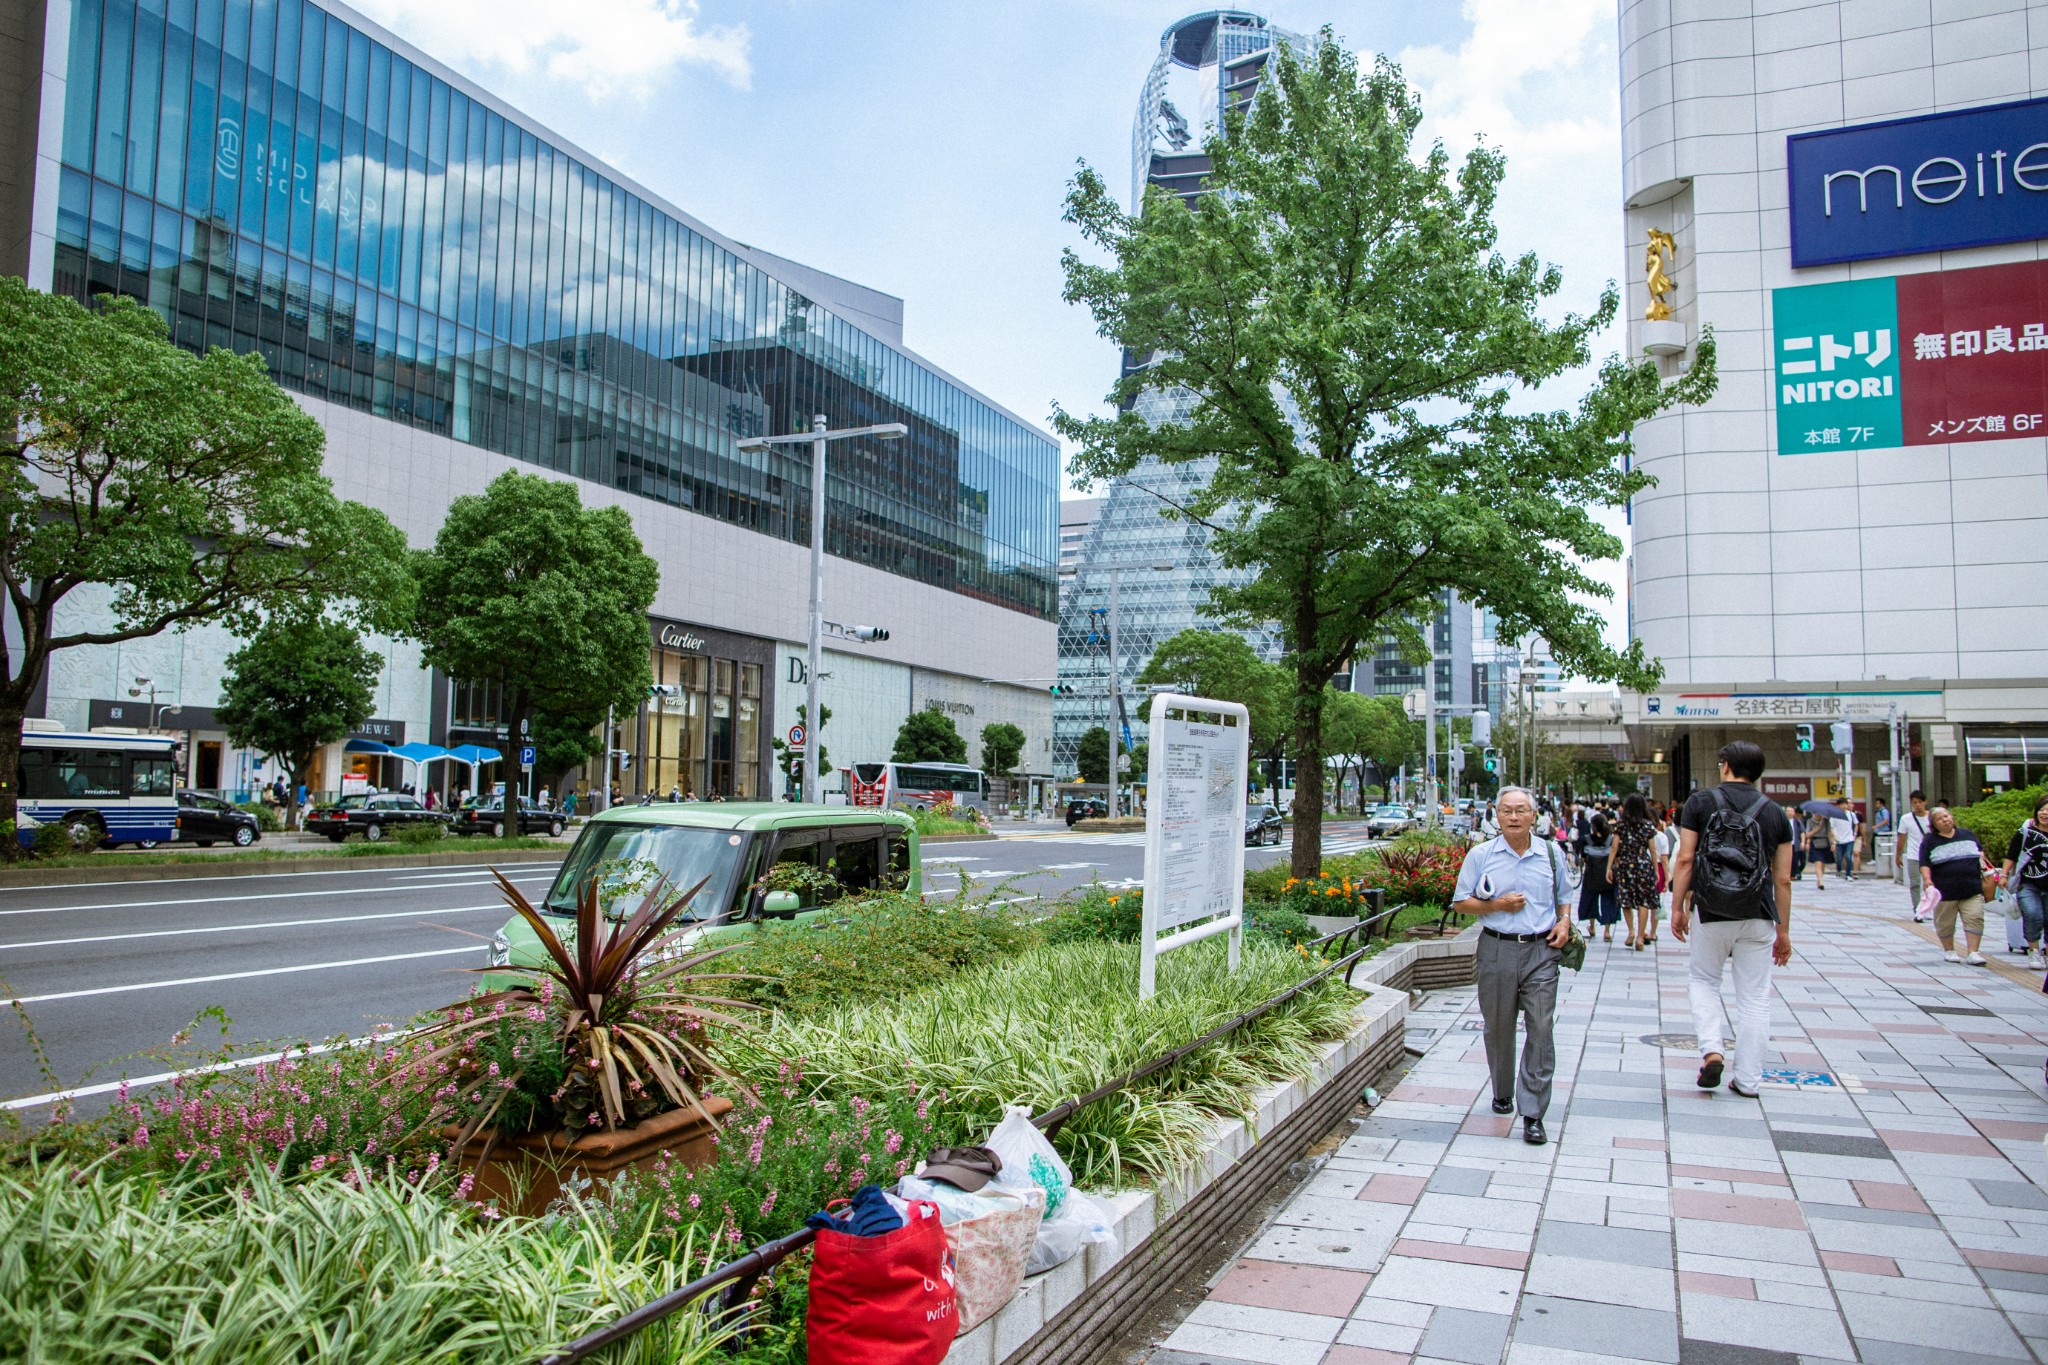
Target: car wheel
<point>497,829</point>
<point>244,836</point>
<point>555,829</point>
<point>338,838</point>
<point>373,832</point>
<point>203,843</point>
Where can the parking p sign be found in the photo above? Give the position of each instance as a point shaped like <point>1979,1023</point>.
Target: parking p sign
<point>526,755</point>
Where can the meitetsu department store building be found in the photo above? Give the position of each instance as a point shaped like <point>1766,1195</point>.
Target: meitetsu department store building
<point>452,291</point>
<point>1853,195</point>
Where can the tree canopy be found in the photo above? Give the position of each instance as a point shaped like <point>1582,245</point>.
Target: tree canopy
<point>1002,744</point>
<point>186,487</point>
<point>1091,755</point>
<point>528,588</point>
<point>297,684</point>
<point>928,737</point>
<point>1349,344</point>
<point>1202,661</point>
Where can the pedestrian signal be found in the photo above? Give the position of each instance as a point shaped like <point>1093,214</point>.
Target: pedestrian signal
<point>1492,759</point>
<point>1842,737</point>
<point>1803,738</point>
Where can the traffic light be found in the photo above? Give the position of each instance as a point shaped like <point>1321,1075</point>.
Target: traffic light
<point>1492,758</point>
<point>1803,738</point>
<point>1061,689</point>
<point>868,634</point>
<point>1842,737</point>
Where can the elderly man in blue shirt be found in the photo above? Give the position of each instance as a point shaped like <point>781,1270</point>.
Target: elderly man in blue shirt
<point>1516,886</point>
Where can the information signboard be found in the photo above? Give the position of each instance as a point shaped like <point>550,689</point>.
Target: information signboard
<point>1194,827</point>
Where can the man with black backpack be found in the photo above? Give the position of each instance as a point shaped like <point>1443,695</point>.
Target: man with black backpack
<point>1735,866</point>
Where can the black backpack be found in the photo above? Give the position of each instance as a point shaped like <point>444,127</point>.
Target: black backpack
<point>1729,869</point>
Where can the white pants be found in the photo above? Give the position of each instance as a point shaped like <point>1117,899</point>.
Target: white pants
<point>1747,944</point>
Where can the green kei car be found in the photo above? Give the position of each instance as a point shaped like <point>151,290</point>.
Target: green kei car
<point>733,845</point>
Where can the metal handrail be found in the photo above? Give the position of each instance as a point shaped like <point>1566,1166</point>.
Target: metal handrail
<point>736,1279</point>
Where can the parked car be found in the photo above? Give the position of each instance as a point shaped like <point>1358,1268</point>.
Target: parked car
<point>730,847</point>
<point>487,816</point>
<point>1389,820</point>
<point>204,820</point>
<point>1086,808</point>
<point>370,816</point>
<point>1262,823</point>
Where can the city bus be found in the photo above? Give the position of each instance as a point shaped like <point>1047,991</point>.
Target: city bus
<point>113,788</point>
<point>916,786</point>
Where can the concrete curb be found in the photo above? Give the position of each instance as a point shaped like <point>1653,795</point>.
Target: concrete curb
<point>230,865</point>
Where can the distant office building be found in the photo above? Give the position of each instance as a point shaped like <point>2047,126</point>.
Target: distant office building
<point>1207,63</point>
<point>1077,518</point>
<point>453,291</point>
<point>1383,672</point>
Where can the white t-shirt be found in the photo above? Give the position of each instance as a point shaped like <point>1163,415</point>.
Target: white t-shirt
<point>1842,831</point>
<point>1667,841</point>
<point>1915,828</point>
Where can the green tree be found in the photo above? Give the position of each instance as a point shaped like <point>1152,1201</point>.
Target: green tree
<point>1352,349</point>
<point>297,685</point>
<point>1091,756</point>
<point>787,757</point>
<point>1206,662</point>
<point>187,487</point>
<point>928,737</point>
<point>564,742</point>
<point>528,588</point>
<point>1002,744</point>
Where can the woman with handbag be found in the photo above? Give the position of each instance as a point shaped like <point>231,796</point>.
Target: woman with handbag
<point>1952,862</point>
<point>2026,876</point>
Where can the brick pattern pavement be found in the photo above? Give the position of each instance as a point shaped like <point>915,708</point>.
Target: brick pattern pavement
<point>1899,1216</point>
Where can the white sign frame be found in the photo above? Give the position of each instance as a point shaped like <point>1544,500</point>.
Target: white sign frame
<point>1160,795</point>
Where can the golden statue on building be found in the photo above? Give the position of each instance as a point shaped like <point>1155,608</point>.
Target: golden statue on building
<point>1657,263</point>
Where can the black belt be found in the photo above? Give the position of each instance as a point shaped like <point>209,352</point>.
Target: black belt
<point>1518,938</point>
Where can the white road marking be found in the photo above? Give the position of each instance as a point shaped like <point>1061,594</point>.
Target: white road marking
<point>220,900</point>
<point>265,924</point>
<point>226,877</point>
<point>475,949</point>
<point>135,1082</point>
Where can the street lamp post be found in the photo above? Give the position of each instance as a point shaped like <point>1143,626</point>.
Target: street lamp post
<point>817,436</point>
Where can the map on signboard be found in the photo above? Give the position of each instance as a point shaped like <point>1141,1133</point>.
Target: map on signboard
<point>1199,798</point>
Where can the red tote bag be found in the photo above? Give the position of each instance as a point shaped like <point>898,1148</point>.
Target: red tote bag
<point>884,1300</point>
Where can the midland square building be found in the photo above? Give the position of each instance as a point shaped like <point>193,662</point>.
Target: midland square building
<point>1855,194</point>
<point>453,291</point>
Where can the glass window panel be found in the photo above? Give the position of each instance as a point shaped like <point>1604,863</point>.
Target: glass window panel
<point>117,42</point>
<point>81,83</point>
<point>173,116</point>
<point>145,100</point>
<point>74,209</point>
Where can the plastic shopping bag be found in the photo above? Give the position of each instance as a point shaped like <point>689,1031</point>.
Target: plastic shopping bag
<point>991,1232</point>
<point>1072,1219</point>
<point>884,1300</point>
<point>1929,899</point>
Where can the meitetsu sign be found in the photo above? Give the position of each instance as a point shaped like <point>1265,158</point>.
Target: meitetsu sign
<point>1934,183</point>
<point>1908,360</point>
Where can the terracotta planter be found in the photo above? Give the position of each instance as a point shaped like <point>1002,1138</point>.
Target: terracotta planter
<point>535,1165</point>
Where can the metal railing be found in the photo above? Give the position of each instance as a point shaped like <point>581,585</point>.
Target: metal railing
<point>735,1280</point>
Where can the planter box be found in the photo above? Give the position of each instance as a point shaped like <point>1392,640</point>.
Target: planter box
<point>524,1174</point>
<point>1073,1311</point>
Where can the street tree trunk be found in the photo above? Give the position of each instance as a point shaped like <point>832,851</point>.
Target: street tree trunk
<point>11,712</point>
<point>1309,677</point>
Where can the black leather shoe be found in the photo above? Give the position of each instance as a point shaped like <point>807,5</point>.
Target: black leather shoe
<point>1532,1132</point>
<point>1506,1106</point>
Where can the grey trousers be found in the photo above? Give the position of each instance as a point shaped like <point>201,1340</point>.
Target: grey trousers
<point>1518,978</point>
<point>1913,887</point>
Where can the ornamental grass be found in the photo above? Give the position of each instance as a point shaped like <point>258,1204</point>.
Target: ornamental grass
<point>97,1267</point>
<point>1060,1021</point>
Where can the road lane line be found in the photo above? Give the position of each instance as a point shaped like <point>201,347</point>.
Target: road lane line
<point>136,1082</point>
<point>237,976</point>
<point>222,900</point>
<point>230,877</point>
<point>265,924</point>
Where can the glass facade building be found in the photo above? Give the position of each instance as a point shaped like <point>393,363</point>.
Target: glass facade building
<point>270,177</point>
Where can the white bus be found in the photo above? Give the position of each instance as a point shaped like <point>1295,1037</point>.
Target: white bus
<point>916,786</point>
<point>118,789</point>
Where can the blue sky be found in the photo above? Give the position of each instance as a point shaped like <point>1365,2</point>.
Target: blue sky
<point>924,148</point>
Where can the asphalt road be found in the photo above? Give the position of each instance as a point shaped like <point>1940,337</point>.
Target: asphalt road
<point>107,974</point>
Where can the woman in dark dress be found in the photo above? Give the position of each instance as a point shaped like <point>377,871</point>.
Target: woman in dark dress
<point>1596,887</point>
<point>1635,868</point>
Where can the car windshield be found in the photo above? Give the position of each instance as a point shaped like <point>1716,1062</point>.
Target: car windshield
<point>629,860</point>
<point>353,802</point>
<point>1390,810</point>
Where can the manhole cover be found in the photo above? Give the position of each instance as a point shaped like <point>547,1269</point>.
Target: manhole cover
<point>1684,1042</point>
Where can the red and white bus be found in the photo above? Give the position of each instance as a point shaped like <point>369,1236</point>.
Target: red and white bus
<point>916,786</point>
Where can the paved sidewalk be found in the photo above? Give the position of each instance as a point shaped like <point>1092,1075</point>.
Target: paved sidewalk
<point>1884,1201</point>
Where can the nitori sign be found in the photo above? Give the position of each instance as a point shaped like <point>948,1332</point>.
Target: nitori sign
<point>1928,359</point>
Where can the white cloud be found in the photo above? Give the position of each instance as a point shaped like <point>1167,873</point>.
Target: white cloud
<point>602,45</point>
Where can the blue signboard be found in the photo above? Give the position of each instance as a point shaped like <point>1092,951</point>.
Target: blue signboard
<point>1969,178</point>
